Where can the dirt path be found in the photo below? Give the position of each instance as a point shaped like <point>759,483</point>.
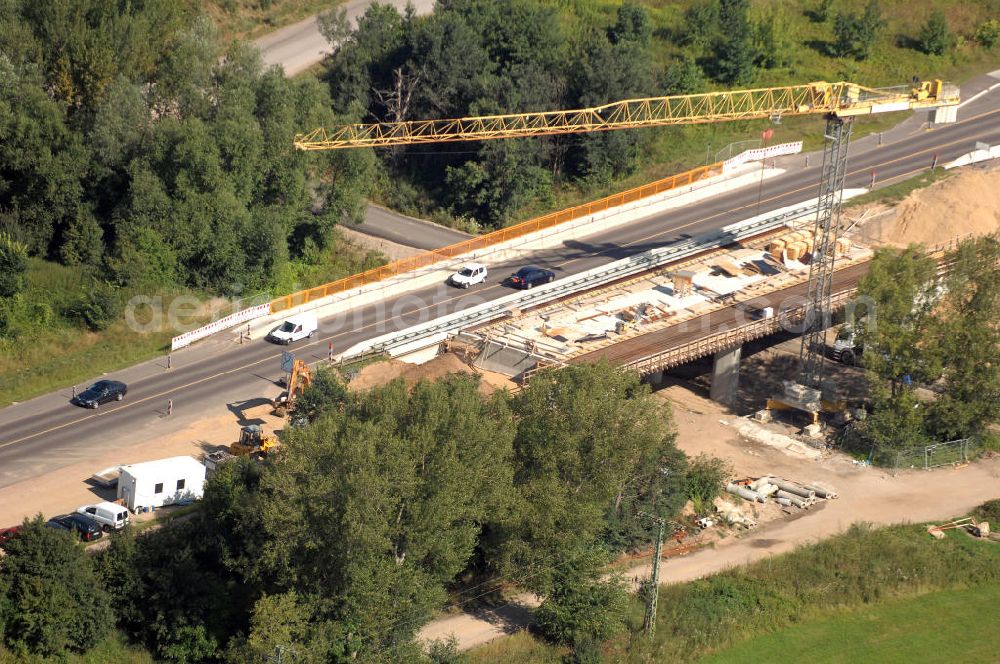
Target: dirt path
<point>866,494</point>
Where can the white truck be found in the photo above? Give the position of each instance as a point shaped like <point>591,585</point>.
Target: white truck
<point>294,328</point>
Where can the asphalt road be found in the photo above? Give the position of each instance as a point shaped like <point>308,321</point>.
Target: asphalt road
<point>299,46</point>
<point>47,432</point>
<point>408,231</point>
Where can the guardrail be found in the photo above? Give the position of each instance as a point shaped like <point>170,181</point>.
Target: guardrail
<point>724,339</point>
<point>426,334</point>
<point>497,237</point>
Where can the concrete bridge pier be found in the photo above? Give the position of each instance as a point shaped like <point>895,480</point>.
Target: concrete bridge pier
<point>726,375</point>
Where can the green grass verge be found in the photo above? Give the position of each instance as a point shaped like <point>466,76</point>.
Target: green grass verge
<point>113,650</point>
<point>60,353</point>
<point>950,626</point>
<point>863,573</point>
<point>894,193</point>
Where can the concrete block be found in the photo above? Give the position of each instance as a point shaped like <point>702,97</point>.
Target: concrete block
<point>814,430</point>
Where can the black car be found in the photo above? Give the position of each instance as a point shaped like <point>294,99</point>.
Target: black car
<point>87,529</point>
<point>530,276</point>
<point>100,392</point>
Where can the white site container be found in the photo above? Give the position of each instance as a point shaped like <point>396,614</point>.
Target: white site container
<point>162,482</point>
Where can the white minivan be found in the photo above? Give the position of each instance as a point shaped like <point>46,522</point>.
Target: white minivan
<point>293,328</point>
<point>109,515</point>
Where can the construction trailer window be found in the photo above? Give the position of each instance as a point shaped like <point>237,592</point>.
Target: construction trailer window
<point>158,488</point>
<point>180,484</point>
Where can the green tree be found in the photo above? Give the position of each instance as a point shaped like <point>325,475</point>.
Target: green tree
<point>326,393</point>
<point>701,23</point>
<point>682,77</point>
<point>734,49</point>
<point>377,504</point>
<point>988,33</point>
<point>935,37</point>
<point>13,266</point>
<point>823,10</point>
<point>897,333</point>
<point>632,24</point>
<point>587,437</point>
<point>284,626</point>
<point>896,330</point>
<point>83,240</point>
<point>51,601</point>
<point>773,39</point>
<point>856,35</point>
<point>969,337</point>
<point>898,420</point>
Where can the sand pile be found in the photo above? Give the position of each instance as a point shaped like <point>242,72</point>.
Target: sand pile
<point>381,373</point>
<point>965,203</point>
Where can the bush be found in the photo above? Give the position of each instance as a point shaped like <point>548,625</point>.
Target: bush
<point>98,308</point>
<point>582,610</point>
<point>935,37</point>
<point>988,33</point>
<point>704,479</point>
<point>13,266</point>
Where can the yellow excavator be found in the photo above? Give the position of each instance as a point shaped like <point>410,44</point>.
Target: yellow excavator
<point>253,441</point>
<point>300,379</point>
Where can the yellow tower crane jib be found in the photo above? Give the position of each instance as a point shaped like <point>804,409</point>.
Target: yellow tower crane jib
<point>841,99</point>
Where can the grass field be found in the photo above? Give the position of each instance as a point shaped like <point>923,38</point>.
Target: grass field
<point>950,626</point>
<point>808,604</point>
<point>113,650</point>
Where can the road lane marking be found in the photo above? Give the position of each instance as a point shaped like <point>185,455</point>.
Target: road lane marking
<point>498,286</point>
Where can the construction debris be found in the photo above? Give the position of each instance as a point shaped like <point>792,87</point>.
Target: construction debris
<point>783,492</point>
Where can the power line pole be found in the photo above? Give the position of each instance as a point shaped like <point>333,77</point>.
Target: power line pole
<point>649,621</point>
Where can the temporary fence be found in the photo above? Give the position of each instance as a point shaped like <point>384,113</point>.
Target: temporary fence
<point>939,454</point>
<point>761,153</point>
<point>229,321</point>
<point>490,239</point>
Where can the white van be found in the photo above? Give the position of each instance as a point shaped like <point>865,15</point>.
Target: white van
<point>300,326</point>
<point>109,515</point>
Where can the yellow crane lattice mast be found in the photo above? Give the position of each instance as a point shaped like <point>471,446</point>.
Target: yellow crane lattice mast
<point>839,99</point>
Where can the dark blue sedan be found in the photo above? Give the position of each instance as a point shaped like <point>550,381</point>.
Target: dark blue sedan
<point>530,276</point>
<point>100,392</point>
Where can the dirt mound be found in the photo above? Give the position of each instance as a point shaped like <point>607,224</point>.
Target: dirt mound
<point>378,373</point>
<point>965,203</point>
<point>381,373</point>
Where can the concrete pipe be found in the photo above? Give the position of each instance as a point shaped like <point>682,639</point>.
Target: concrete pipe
<point>767,490</point>
<point>801,503</point>
<point>746,494</point>
<point>783,501</point>
<point>821,492</point>
<point>759,482</point>
<point>795,489</point>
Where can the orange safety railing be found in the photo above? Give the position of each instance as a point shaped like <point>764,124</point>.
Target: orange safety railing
<point>496,237</point>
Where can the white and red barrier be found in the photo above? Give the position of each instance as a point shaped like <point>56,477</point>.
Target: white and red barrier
<point>229,321</point>
<point>761,153</point>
